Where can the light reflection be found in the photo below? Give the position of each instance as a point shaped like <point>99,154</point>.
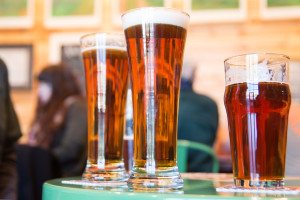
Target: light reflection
<point>101,99</point>
<point>251,95</point>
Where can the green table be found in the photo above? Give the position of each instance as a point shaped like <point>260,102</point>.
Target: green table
<point>196,186</point>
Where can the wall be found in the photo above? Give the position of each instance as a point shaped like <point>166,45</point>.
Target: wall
<point>209,44</point>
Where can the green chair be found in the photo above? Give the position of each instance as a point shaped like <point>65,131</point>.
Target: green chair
<point>182,154</point>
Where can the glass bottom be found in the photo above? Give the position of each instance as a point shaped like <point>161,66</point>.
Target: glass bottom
<point>111,173</point>
<point>161,180</point>
<point>276,184</point>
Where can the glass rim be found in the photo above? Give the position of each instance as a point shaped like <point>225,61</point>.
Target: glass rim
<point>160,8</point>
<point>283,56</point>
<point>102,33</point>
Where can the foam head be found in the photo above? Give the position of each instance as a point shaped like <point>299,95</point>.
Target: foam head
<point>155,15</point>
<point>102,41</point>
<point>257,67</point>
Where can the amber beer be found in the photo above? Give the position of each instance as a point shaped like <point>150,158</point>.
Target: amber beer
<point>167,54</point>
<point>106,70</point>
<point>155,52</point>
<point>258,119</point>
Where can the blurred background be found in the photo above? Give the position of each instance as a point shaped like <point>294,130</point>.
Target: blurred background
<point>35,33</point>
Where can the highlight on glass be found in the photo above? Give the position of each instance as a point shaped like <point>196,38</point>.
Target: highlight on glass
<point>106,72</point>
<point>257,100</point>
<point>155,40</point>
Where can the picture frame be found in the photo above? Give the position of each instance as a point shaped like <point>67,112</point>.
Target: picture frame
<point>65,48</point>
<point>118,7</point>
<point>273,11</point>
<point>86,15</point>
<point>237,12</point>
<point>20,69</point>
<point>21,16</point>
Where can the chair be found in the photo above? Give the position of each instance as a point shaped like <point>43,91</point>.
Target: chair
<point>182,154</point>
<point>35,166</point>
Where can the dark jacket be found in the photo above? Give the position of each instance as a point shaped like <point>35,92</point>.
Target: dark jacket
<point>67,155</point>
<point>198,122</point>
<point>69,146</point>
<point>9,133</point>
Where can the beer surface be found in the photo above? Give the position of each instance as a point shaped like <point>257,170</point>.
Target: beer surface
<point>107,103</point>
<point>155,57</point>
<point>155,15</point>
<point>258,118</point>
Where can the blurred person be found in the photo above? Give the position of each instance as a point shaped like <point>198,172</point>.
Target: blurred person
<point>197,119</point>
<point>57,140</point>
<point>9,134</point>
<point>60,123</point>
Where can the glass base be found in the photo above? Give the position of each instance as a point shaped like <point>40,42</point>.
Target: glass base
<point>114,173</point>
<point>160,180</point>
<point>276,184</point>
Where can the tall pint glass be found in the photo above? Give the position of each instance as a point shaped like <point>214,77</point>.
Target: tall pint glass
<point>155,40</point>
<point>257,100</point>
<point>106,71</point>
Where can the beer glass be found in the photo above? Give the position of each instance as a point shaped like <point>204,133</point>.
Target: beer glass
<point>257,100</point>
<point>106,71</point>
<point>155,40</point>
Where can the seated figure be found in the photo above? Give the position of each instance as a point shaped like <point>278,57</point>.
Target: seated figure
<point>197,119</point>
<point>57,140</point>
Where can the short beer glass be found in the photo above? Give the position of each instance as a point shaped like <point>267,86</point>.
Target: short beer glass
<point>257,100</point>
<point>106,72</point>
<point>155,40</point>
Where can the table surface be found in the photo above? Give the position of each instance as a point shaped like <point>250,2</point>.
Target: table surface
<point>196,186</point>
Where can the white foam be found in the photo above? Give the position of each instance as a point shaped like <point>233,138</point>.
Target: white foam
<point>155,15</point>
<point>255,72</point>
<point>104,47</point>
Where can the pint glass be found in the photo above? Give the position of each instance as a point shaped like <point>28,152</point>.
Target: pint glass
<point>257,100</point>
<point>155,40</point>
<point>106,71</point>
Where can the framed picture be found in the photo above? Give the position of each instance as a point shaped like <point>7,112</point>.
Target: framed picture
<point>72,13</point>
<point>121,6</point>
<point>16,13</point>
<point>280,9</point>
<point>203,11</point>
<point>65,48</point>
<point>20,69</point>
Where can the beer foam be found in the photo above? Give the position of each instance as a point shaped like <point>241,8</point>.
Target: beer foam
<point>256,72</point>
<point>103,47</point>
<point>155,15</point>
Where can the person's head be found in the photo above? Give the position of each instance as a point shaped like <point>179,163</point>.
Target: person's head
<point>56,83</point>
<point>188,72</point>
